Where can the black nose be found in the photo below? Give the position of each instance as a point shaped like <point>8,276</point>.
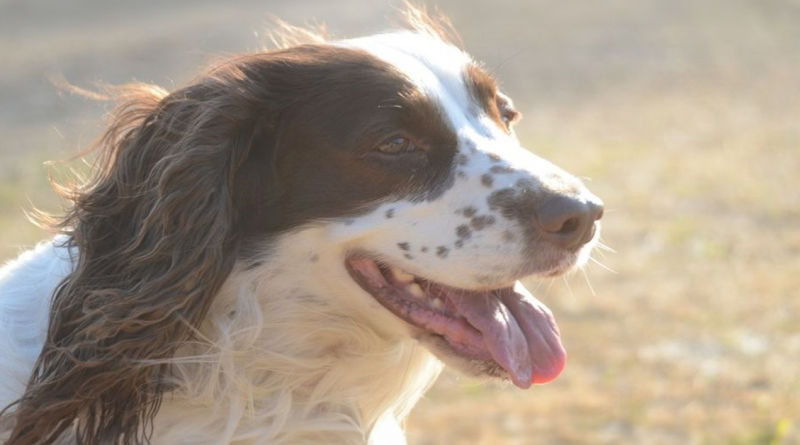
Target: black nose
<point>569,222</point>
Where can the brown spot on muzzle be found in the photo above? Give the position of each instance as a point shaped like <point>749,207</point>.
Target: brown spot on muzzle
<point>469,211</point>
<point>513,203</point>
<point>502,169</point>
<point>482,221</point>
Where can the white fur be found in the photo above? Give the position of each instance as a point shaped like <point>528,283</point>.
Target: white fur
<point>26,287</point>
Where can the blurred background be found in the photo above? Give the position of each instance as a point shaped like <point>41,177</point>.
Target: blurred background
<point>683,115</point>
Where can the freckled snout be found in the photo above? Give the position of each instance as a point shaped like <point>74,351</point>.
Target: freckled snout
<point>568,221</point>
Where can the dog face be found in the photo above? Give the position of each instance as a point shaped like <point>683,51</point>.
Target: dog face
<point>409,161</point>
<point>498,212</point>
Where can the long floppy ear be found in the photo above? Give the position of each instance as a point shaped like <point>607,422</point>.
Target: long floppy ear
<point>156,228</point>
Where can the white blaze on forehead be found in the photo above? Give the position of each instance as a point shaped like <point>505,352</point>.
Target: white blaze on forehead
<point>438,69</point>
<point>434,66</point>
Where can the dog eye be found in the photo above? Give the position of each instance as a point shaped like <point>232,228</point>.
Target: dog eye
<point>396,145</point>
<point>509,116</point>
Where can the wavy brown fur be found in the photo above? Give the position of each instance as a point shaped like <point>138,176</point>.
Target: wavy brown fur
<point>156,233</point>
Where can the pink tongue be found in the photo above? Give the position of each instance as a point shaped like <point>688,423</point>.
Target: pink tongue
<point>519,332</point>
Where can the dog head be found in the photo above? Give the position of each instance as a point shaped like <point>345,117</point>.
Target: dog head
<point>396,151</point>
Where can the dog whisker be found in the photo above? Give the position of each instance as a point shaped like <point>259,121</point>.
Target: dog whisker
<point>603,266</point>
<point>588,282</point>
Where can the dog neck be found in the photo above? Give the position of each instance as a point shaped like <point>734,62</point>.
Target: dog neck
<point>287,362</point>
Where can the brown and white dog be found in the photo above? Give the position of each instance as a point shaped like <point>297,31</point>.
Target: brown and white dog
<point>285,250</point>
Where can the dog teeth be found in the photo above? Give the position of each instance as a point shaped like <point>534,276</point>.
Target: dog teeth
<point>402,276</point>
<point>415,290</point>
<point>437,304</point>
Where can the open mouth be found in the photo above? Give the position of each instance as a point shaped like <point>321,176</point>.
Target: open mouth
<point>505,328</point>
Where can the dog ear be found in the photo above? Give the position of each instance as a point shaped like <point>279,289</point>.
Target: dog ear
<point>157,233</point>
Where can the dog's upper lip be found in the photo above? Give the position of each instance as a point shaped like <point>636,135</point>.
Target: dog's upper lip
<point>506,325</point>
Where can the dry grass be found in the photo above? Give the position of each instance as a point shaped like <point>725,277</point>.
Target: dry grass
<point>686,117</point>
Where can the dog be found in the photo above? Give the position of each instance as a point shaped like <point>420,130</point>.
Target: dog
<point>288,249</point>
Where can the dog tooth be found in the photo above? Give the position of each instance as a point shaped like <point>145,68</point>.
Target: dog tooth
<point>415,290</point>
<point>402,276</point>
<point>437,303</point>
